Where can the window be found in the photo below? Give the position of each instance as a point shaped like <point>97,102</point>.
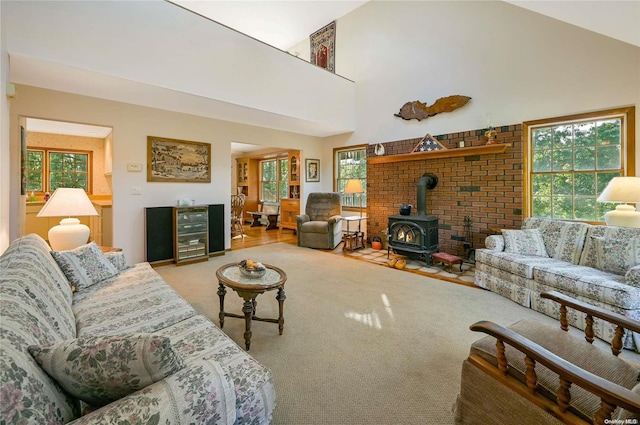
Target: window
<point>35,171</point>
<point>274,179</point>
<point>570,160</point>
<point>49,169</point>
<point>351,164</point>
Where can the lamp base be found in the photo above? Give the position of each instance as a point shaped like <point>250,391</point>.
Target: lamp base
<point>624,216</point>
<point>69,234</point>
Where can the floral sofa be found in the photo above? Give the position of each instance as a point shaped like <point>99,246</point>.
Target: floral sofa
<point>599,265</point>
<point>123,348</point>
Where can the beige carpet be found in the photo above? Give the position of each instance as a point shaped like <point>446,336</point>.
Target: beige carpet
<point>362,344</point>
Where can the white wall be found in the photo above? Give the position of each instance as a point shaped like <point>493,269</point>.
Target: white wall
<point>131,126</point>
<point>156,43</point>
<point>513,63</point>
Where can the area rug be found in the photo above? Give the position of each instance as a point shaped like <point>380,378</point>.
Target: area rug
<point>362,343</point>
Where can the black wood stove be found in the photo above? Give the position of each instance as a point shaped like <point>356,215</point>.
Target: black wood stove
<point>416,236</point>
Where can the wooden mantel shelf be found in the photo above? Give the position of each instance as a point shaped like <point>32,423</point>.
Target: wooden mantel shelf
<point>443,153</point>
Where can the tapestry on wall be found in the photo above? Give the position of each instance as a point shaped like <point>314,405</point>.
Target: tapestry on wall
<point>323,44</point>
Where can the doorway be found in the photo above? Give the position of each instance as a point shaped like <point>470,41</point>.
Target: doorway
<point>246,165</point>
<point>65,154</point>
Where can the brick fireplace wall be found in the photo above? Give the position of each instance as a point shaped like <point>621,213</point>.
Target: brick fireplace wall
<point>487,187</point>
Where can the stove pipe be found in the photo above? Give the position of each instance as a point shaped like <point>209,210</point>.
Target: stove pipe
<point>427,181</point>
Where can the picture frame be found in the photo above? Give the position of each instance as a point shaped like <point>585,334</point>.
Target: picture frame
<point>322,47</point>
<point>312,170</point>
<point>173,160</point>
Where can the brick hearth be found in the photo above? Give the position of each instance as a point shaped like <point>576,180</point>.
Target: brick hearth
<point>486,187</point>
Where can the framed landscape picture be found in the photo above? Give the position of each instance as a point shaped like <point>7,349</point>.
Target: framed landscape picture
<point>171,160</point>
<point>312,173</point>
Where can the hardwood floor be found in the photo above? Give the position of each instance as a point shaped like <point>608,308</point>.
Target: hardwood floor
<point>256,236</point>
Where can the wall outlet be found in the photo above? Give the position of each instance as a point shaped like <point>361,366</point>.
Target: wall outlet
<point>136,190</point>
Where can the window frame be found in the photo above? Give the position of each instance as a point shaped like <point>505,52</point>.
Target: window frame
<point>279,177</point>
<point>627,147</point>
<point>46,169</point>
<point>336,174</point>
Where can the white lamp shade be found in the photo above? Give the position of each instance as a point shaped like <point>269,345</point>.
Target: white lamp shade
<point>622,189</point>
<point>67,202</point>
<point>353,186</point>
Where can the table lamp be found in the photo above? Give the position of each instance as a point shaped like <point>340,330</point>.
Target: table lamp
<point>622,189</point>
<point>67,202</point>
<point>354,186</point>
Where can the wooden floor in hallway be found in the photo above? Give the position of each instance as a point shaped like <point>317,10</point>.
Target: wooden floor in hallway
<point>256,236</point>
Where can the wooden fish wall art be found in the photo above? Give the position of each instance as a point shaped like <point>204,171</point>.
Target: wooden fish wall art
<point>421,111</point>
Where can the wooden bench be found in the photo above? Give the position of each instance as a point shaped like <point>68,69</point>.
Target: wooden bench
<point>445,258</point>
<point>269,210</point>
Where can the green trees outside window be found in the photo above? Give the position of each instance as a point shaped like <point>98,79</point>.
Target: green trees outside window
<point>351,164</point>
<point>68,169</point>
<point>48,170</point>
<point>35,173</point>
<point>571,164</point>
<point>274,179</point>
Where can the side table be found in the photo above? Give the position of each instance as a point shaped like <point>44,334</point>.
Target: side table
<point>248,289</point>
<point>353,239</point>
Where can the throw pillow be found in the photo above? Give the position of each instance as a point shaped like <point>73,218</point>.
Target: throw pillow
<point>525,242</point>
<point>101,369</point>
<point>85,265</point>
<point>117,259</point>
<point>617,255</point>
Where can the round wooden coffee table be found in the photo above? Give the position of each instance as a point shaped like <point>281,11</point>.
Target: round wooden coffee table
<point>248,288</point>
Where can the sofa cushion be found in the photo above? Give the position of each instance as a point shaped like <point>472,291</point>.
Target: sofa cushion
<point>197,339</point>
<point>594,284</point>
<point>85,265</point>
<point>101,369</point>
<point>315,227</point>
<point>201,393</point>
<point>526,242</point>
<point>563,240</point>
<point>617,255</point>
<point>136,300</point>
<point>571,348</point>
<point>519,264</point>
<point>590,254</point>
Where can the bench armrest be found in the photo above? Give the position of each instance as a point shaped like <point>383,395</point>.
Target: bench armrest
<point>567,372</point>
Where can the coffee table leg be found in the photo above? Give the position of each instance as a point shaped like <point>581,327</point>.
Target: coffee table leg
<point>247,309</point>
<point>281,297</point>
<point>222,291</point>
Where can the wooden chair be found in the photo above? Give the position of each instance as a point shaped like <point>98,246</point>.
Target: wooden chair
<point>532,373</point>
<point>237,212</point>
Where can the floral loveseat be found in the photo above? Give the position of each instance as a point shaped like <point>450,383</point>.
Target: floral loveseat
<point>599,265</point>
<point>121,349</point>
